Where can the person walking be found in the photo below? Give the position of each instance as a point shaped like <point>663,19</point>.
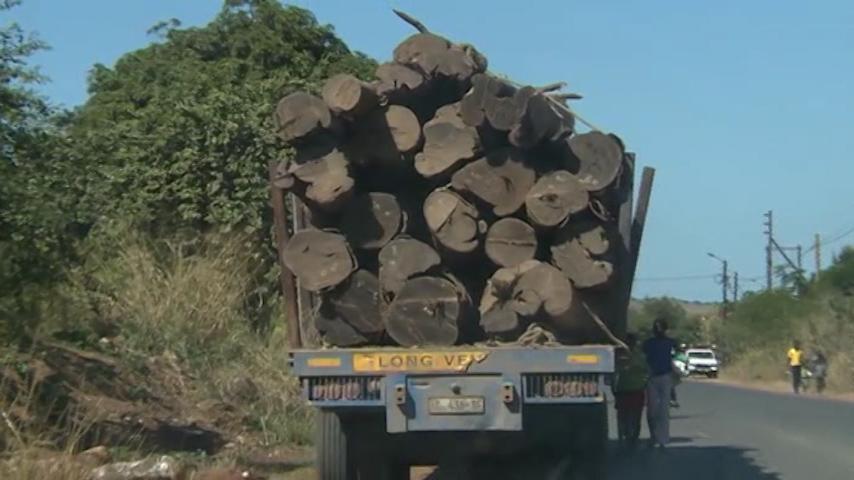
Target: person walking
<point>819,372</point>
<point>629,393</point>
<point>795,355</point>
<point>659,358</point>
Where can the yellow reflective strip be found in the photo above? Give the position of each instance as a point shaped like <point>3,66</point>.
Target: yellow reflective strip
<point>583,359</point>
<point>324,362</point>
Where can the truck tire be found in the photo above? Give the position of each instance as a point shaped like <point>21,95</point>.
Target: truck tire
<point>333,462</point>
<point>593,455</point>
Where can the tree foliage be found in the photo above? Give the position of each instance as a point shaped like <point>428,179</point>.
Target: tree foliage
<point>681,326</point>
<point>181,132</point>
<point>840,275</point>
<point>174,139</point>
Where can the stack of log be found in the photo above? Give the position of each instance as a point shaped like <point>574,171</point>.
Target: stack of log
<point>448,205</point>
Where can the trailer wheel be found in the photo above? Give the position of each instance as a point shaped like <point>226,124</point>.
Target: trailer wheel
<point>593,455</point>
<point>333,462</point>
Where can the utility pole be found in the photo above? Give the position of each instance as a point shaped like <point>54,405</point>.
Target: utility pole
<point>769,259</point>
<point>817,256</point>
<point>800,258</point>
<point>735,288</point>
<point>724,284</point>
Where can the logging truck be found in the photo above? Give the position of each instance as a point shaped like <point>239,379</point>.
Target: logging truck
<point>384,409</point>
<point>457,262</point>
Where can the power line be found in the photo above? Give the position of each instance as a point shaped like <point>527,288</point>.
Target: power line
<point>839,237</point>
<point>678,277</point>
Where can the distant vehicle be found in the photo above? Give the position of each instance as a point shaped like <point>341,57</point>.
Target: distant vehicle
<point>702,361</point>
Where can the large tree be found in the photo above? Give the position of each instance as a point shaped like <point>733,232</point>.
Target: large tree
<point>174,138</point>
<point>32,220</point>
<point>180,132</point>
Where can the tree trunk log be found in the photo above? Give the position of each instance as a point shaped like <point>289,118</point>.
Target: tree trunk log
<point>447,143</point>
<point>595,158</point>
<point>427,311</point>
<point>384,135</point>
<point>335,330</point>
<point>543,286</point>
<point>540,120</point>
<point>301,115</point>
<point>487,94</point>
<point>510,241</point>
<point>502,179</point>
<point>357,302</point>
<point>320,259</point>
<point>398,83</point>
<point>347,95</point>
<point>402,259</point>
<point>434,56</point>
<point>577,263</point>
<point>453,222</point>
<point>370,221</point>
<point>554,198</point>
<point>500,316</point>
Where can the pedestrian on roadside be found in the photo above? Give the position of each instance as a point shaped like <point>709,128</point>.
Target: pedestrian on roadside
<point>659,358</point>
<point>795,356</point>
<point>819,371</point>
<point>629,393</point>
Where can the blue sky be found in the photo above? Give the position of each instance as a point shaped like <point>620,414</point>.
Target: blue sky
<point>742,106</point>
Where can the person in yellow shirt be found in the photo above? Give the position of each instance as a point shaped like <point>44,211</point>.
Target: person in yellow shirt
<point>795,355</point>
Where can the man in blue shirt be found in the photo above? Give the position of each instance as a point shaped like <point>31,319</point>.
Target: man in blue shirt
<point>659,357</point>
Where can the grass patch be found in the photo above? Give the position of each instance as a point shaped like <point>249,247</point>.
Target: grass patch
<point>762,327</point>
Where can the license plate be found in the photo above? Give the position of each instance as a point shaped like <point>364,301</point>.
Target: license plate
<point>456,406</point>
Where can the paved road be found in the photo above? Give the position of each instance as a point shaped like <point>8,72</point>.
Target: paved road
<point>729,433</point>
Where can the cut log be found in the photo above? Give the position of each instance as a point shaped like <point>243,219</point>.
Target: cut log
<point>347,95</point>
<point>427,311</point>
<point>502,179</point>
<point>404,128</point>
<point>301,115</point>
<point>598,159</point>
<point>510,241</point>
<point>283,178</point>
<point>384,135</point>
<point>542,285</point>
<point>448,141</point>
<point>579,266</point>
<point>554,198</point>
<point>335,330</point>
<point>330,192</point>
<point>402,259</point>
<point>398,83</point>
<point>453,222</point>
<point>357,302</point>
<point>539,120</point>
<point>485,93</point>
<point>371,220</point>
<point>500,316</point>
<point>434,56</point>
<point>320,259</point>
<point>593,236</point>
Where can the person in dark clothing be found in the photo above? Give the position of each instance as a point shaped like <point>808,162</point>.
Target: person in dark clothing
<point>659,358</point>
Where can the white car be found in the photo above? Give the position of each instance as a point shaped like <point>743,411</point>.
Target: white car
<point>702,361</point>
